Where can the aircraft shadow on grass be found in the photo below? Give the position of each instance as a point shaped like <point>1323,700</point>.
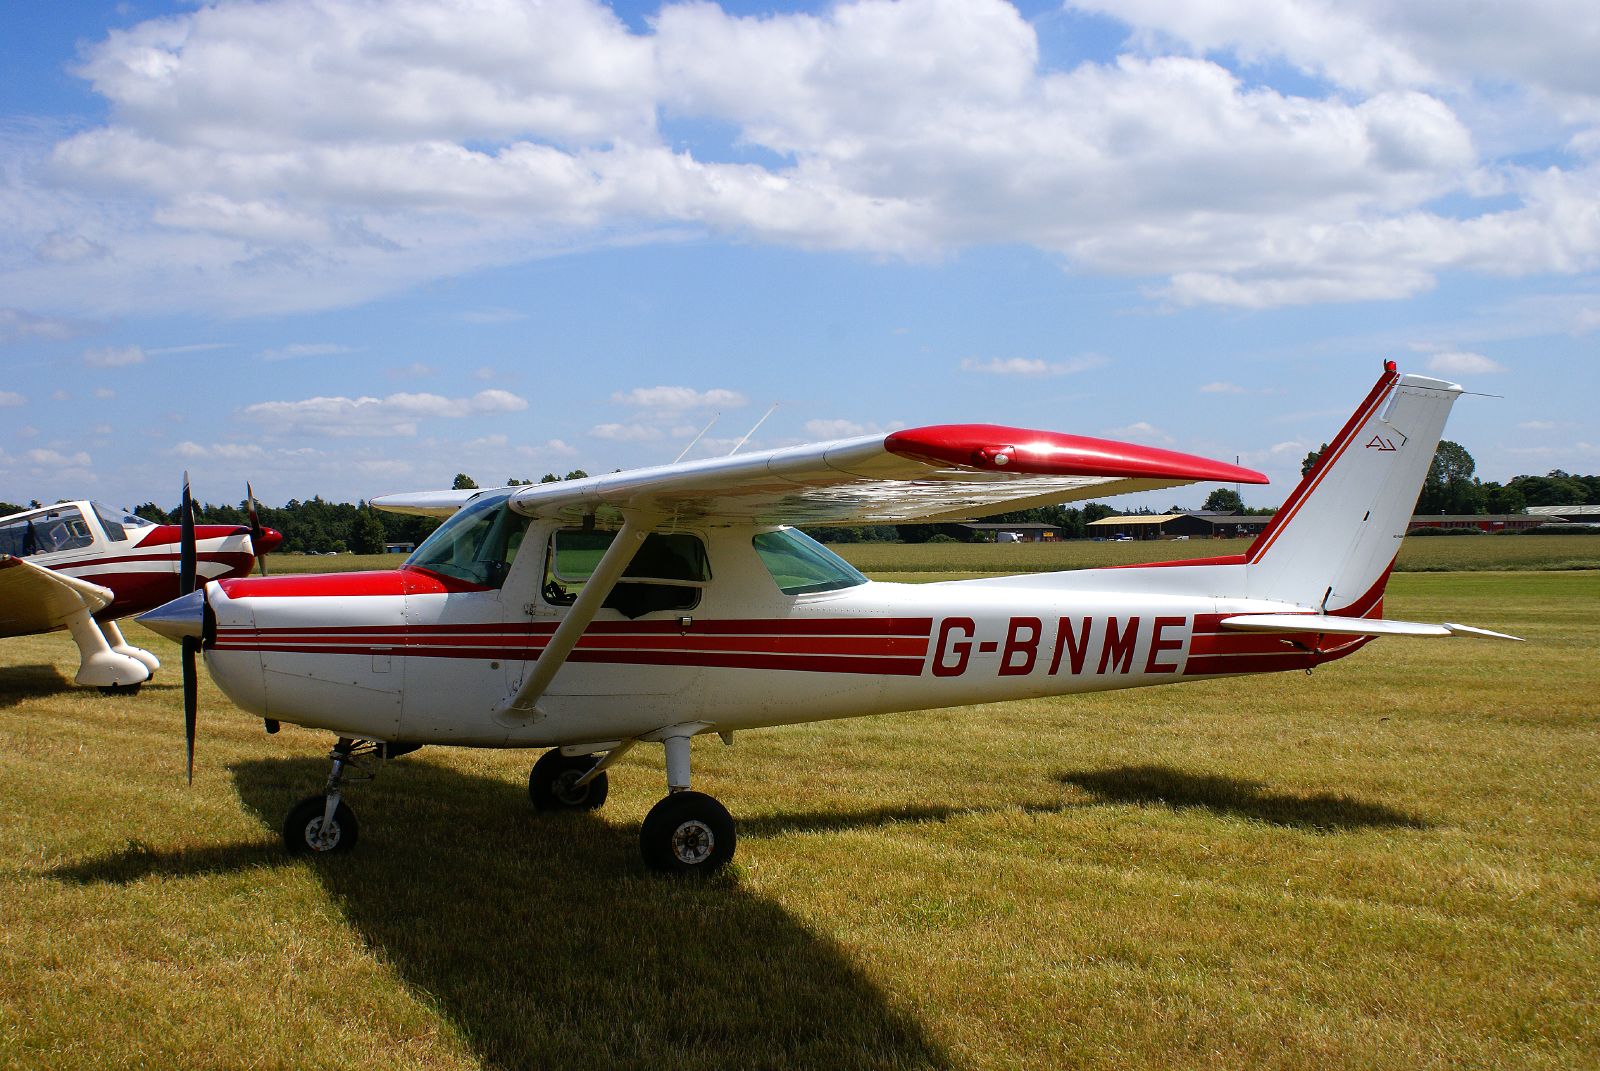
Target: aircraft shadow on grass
<point>544,939</point>
<point>18,684</point>
<point>1181,789</point>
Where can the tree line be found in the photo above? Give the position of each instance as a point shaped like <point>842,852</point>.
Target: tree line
<point>318,526</point>
<point>1452,486</point>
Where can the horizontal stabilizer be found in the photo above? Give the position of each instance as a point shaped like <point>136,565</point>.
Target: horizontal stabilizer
<point>1327,624</point>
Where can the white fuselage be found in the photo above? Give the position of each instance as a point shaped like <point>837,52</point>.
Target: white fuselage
<point>410,656</point>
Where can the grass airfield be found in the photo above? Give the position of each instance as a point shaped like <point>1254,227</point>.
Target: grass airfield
<point>1390,864</point>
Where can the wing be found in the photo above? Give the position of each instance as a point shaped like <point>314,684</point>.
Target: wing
<point>424,503</point>
<point>946,472</point>
<point>35,599</point>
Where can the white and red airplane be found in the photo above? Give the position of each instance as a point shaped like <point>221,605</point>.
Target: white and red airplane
<point>81,566</point>
<point>665,603</point>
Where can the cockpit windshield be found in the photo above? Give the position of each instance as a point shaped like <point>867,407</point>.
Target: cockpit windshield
<point>477,544</point>
<point>116,522</point>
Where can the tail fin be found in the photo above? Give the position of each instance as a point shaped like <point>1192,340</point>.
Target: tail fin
<point>1333,542</point>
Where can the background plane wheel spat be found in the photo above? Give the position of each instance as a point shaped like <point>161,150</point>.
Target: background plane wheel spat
<point>552,784</point>
<point>687,833</point>
<point>303,833</point>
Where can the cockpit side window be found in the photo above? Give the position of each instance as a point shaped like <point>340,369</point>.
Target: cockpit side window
<point>665,574</point>
<point>477,544</point>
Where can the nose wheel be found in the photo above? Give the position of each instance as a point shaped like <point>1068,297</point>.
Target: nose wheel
<point>325,823</point>
<point>566,783</point>
<point>309,830</point>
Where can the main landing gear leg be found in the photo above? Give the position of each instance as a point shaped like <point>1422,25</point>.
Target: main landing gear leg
<point>325,823</point>
<point>687,832</point>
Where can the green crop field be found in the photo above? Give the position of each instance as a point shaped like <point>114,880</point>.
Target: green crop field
<point>1390,864</point>
<point>1429,554</point>
<point>1417,555</point>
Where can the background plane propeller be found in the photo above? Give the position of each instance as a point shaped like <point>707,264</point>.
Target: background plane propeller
<point>257,532</point>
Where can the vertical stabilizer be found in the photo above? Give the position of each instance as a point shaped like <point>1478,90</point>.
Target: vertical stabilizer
<point>1334,540</point>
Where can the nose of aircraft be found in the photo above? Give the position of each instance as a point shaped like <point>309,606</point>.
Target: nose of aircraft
<point>181,617</point>
<point>269,541</point>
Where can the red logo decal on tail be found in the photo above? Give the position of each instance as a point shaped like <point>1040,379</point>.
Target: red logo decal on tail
<point>1380,443</point>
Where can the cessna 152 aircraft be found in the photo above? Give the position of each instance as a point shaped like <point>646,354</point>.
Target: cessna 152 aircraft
<point>665,603</point>
<point>81,566</point>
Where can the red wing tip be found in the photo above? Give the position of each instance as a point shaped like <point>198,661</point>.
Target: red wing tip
<point>996,448</point>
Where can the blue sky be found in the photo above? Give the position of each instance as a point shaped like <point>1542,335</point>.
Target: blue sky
<point>345,249</point>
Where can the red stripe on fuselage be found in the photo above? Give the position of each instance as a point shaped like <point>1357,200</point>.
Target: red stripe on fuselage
<point>895,646</point>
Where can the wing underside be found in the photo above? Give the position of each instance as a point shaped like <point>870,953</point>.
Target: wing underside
<point>35,599</point>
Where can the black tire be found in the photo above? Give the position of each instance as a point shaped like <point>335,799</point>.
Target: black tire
<point>300,829</point>
<point>550,783</point>
<point>687,833</point>
<point>121,689</point>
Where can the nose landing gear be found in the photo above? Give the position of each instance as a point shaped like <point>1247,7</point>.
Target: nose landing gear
<point>325,823</point>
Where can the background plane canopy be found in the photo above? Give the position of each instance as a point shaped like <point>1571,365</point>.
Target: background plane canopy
<point>62,528</point>
<point>477,544</point>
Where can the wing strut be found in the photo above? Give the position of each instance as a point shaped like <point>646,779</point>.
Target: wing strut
<point>605,577</point>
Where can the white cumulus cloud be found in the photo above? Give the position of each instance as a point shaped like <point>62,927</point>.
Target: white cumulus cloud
<point>1032,366</point>
<point>1463,364</point>
<point>299,154</point>
<point>680,398</point>
<point>366,416</point>
<point>113,356</point>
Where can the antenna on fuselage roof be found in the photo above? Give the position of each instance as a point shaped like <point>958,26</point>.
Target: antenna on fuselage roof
<point>714,418</point>
<point>752,431</point>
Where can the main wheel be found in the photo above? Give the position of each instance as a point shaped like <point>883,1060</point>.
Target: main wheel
<point>303,833</point>
<point>553,783</point>
<point>687,833</point>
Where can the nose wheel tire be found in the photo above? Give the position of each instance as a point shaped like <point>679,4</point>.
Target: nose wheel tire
<point>303,833</point>
<point>553,783</point>
<point>687,833</point>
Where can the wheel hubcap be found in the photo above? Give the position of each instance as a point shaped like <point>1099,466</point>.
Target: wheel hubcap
<point>320,841</point>
<point>693,842</point>
<point>566,789</point>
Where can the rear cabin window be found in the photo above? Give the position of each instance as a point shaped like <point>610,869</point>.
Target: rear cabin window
<point>477,544</point>
<point>666,573</point>
<point>802,566</point>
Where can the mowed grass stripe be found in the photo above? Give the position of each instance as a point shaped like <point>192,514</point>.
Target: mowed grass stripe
<point>1389,864</point>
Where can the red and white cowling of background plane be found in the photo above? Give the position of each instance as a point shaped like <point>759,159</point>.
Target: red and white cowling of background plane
<point>81,566</point>
<point>479,640</point>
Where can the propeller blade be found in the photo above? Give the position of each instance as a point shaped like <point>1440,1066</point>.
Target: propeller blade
<point>257,533</point>
<point>187,570</point>
<point>186,548</point>
<point>191,697</point>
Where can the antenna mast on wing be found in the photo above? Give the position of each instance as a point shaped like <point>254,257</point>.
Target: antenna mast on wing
<point>752,431</point>
<point>714,418</point>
